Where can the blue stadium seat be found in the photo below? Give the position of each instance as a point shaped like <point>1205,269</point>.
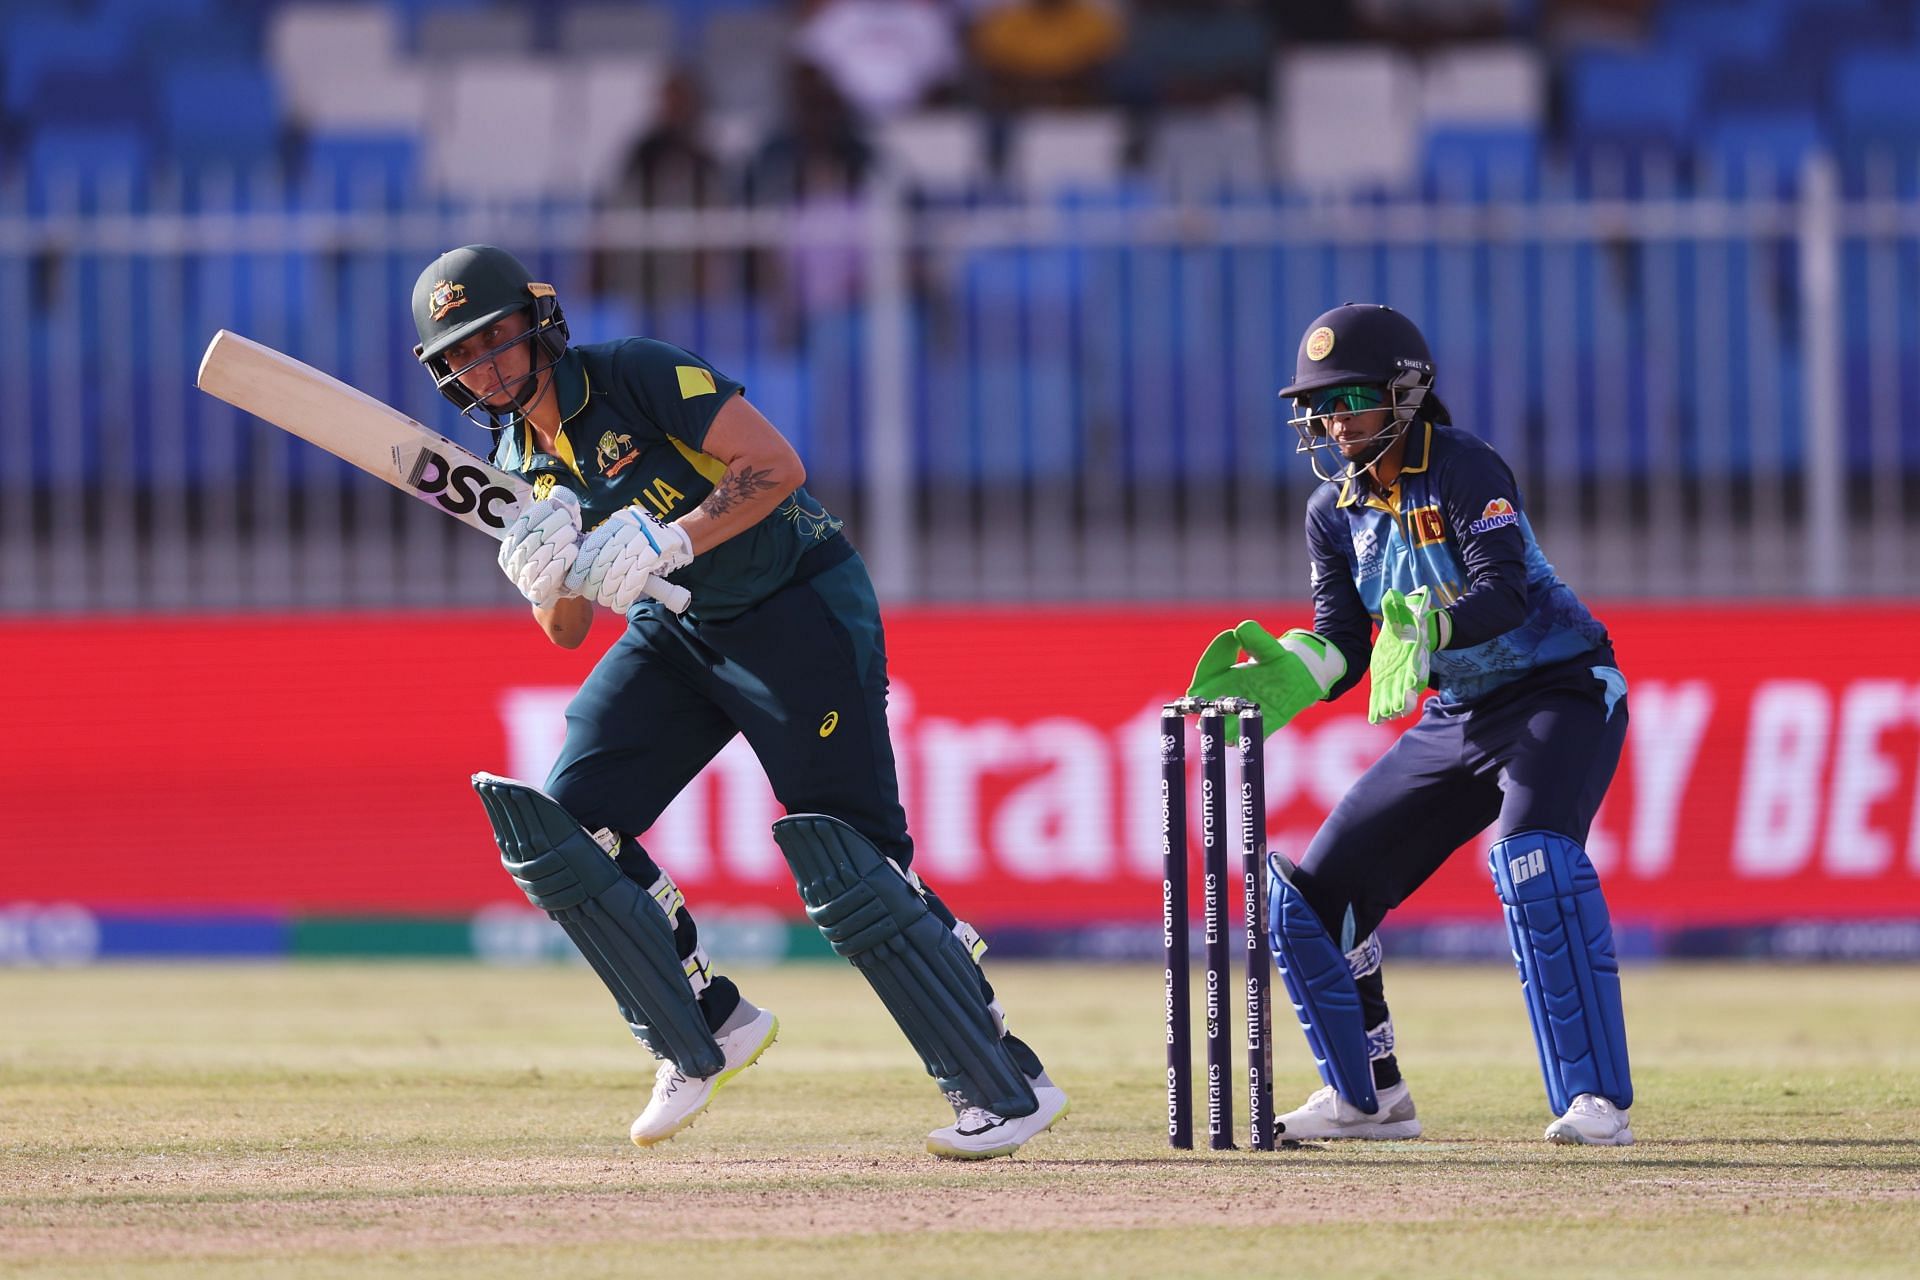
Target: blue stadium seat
<point>1740,86</point>
<point>1716,30</point>
<point>88,163</point>
<point>172,44</point>
<point>1616,98</point>
<point>221,111</point>
<point>1876,97</point>
<point>134,14</point>
<point>1780,138</point>
<point>345,171</point>
<point>1479,162</point>
<point>36,41</point>
<point>88,95</point>
<point>1815,38</point>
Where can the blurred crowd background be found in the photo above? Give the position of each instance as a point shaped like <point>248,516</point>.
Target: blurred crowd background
<point>1019,276</point>
<point>716,101</point>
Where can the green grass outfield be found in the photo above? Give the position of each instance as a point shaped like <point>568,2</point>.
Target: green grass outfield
<point>415,1120</point>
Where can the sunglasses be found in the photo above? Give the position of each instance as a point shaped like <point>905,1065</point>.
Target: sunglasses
<point>1354,398</point>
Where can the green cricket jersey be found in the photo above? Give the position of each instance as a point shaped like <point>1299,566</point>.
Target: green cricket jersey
<point>634,414</point>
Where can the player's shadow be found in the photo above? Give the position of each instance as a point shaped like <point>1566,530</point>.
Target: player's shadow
<point>1907,1143</point>
<point>1901,1154</point>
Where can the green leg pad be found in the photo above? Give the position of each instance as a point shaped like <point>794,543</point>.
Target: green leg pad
<point>617,925</point>
<point>923,975</point>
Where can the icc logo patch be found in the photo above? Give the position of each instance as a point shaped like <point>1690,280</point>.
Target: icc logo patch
<point>1497,513</point>
<point>1366,554</point>
<point>446,297</point>
<point>1427,526</point>
<point>1320,343</point>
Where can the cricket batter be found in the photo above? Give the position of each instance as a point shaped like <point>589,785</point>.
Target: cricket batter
<point>646,461</point>
<point>1420,531</point>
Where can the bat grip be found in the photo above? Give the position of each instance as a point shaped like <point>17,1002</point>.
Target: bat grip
<point>675,597</point>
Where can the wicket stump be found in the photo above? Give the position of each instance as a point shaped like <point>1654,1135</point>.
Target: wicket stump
<point>1174,921</point>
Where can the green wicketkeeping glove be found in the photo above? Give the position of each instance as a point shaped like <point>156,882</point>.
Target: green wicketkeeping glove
<point>1284,676</point>
<point>1410,630</point>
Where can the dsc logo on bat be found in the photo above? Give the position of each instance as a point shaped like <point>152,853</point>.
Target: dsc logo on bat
<point>459,488</point>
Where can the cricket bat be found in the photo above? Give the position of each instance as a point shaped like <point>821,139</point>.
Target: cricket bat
<point>375,437</point>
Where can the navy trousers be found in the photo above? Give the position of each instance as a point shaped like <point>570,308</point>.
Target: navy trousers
<point>803,675</point>
<point>1535,755</point>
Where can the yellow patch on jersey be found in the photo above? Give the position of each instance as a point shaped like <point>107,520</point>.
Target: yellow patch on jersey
<point>1426,526</point>
<point>831,723</point>
<point>543,487</point>
<point>694,381</point>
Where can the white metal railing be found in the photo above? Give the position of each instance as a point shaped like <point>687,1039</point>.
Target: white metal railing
<point>1702,394</point>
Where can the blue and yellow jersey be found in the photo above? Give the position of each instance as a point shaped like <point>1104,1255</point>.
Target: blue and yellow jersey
<point>634,414</point>
<point>1454,524</point>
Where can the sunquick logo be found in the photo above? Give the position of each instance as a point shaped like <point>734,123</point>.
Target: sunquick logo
<point>1527,866</point>
<point>1496,513</point>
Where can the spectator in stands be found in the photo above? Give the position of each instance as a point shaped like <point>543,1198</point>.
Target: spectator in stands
<point>1441,19</point>
<point>1196,52</point>
<point>1564,23</point>
<point>1047,53</point>
<point>884,56</point>
<point>822,151</point>
<point>669,167</point>
<point>817,165</point>
<point>1325,21</point>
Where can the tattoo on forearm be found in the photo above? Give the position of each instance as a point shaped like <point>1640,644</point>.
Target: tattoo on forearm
<point>737,487</point>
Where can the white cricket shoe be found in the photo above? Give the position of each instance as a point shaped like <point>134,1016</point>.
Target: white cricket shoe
<point>678,1099</point>
<point>1592,1121</point>
<point>1327,1115</point>
<point>979,1134</point>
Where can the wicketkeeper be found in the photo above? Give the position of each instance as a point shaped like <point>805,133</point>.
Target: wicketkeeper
<point>1420,532</point>
<point>647,462</point>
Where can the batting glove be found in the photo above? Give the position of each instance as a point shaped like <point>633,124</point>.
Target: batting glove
<point>540,546</point>
<point>619,556</point>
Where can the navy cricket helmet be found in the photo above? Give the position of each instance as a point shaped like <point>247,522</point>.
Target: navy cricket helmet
<point>1357,357</point>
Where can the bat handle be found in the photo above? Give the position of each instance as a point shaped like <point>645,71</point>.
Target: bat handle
<point>676,598</point>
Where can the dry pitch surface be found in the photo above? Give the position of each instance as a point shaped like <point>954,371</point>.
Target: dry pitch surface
<point>425,1120</point>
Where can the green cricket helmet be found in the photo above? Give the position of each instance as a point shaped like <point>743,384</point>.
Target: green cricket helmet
<point>462,292</point>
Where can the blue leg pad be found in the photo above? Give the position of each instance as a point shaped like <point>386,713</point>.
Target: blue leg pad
<point>624,934</point>
<point>1320,983</point>
<point>925,977</point>
<point>1563,946</point>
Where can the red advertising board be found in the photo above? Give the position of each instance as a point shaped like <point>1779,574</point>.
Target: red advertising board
<point>319,764</point>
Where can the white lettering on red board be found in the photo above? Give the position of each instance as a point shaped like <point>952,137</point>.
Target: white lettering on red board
<point>1058,797</point>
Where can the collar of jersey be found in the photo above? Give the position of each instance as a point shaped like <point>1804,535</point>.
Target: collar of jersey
<point>1351,493</point>
<point>571,386</point>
